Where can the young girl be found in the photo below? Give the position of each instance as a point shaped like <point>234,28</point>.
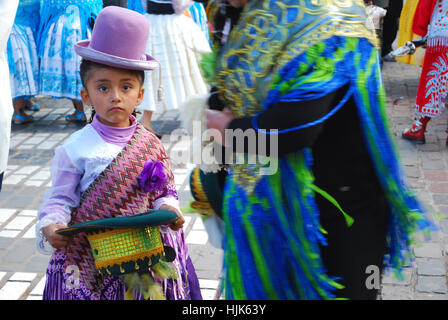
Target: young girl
<point>97,171</point>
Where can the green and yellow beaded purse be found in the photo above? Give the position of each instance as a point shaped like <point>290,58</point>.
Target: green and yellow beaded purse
<point>130,246</point>
<point>124,245</point>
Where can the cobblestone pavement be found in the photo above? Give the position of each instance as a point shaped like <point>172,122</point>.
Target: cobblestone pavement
<point>22,268</point>
<point>426,167</point>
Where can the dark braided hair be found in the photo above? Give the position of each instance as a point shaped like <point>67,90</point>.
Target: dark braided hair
<point>225,12</point>
<point>87,66</point>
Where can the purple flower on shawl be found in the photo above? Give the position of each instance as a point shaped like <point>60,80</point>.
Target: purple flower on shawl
<point>152,176</point>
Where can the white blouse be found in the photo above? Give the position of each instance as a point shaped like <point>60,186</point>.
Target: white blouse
<point>76,164</point>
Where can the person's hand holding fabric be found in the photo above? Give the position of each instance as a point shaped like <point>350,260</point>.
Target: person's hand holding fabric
<point>219,120</point>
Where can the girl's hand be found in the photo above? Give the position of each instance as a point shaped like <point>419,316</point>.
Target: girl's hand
<point>57,241</point>
<point>219,120</point>
<point>179,222</point>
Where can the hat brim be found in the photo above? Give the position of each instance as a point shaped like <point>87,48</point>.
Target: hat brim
<point>82,48</point>
<point>150,218</point>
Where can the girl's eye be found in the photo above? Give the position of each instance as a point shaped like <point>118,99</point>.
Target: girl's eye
<point>126,88</point>
<point>102,89</point>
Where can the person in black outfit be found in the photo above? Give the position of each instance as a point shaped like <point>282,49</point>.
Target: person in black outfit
<point>118,3</point>
<point>342,166</point>
<point>390,27</point>
<point>350,177</point>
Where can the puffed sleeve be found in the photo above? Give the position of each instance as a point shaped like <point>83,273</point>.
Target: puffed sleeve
<point>61,198</point>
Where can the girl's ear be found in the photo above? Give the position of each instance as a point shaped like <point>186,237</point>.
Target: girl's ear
<point>141,94</point>
<point>85,97</point>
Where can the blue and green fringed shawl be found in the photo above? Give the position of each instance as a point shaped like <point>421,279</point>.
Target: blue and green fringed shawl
<point>271,247</point>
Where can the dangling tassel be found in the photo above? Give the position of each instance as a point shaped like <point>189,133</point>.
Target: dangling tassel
<point>160,90</point>
<point>145,285</point>
<point>132,282</point>
<point>129,294</point>
<point>160,93</point>
<point>151,289</point>
<point>165,270</point>
<point>348,220</point>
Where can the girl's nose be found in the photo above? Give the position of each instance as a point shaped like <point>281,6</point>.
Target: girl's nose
<point>115,95</point>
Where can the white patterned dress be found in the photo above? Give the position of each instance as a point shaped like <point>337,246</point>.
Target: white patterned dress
<point>22,52</point>
<point>178,43</point>
<point>63,23</point>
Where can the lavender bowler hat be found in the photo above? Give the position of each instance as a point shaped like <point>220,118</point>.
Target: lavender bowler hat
<point>119,40</point>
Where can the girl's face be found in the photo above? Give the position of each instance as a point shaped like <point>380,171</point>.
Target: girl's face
<point>114,93</point>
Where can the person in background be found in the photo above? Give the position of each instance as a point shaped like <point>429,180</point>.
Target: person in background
<point>431,17</point>
<point>337,203</point>
<point>8,11</point>
<point>23,61</point>
<point>62,24</point>
<point>390,27</point>
<point>178,43</point>
<point>377,14</point>
<point>406,34</point>
<point>198,14</point>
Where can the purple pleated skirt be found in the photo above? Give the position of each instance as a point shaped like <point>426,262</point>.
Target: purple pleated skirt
<point>61,285</point>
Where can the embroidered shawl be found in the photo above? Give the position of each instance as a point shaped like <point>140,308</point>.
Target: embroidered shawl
<point>116,192</point>
<point>283,51</point>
